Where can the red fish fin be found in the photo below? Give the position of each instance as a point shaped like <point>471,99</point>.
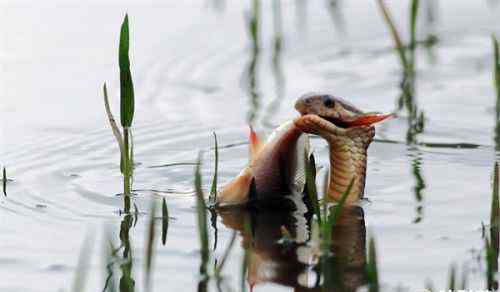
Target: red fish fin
<point>255,144</point>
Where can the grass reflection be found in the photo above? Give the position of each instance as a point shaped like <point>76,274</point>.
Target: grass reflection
<point>419,186</point>
<point>407,57</point>
<point>277,70</point>
<point>250,75</point>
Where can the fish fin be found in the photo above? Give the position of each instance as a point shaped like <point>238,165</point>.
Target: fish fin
<point>236,192</point>
<point>255,144</point>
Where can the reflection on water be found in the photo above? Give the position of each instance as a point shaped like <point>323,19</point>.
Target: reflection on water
<point>335,9</point>
<point>279,78</point>
<point>301,16</point>
<point>297,262</point>
<point>416,165</point>
<point>250,77</point>
<point>123,261</point>
<point>430,28</point>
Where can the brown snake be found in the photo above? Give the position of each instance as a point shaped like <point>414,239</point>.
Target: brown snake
<point>277,167</point>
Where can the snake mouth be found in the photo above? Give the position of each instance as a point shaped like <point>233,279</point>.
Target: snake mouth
<point>366,119</point>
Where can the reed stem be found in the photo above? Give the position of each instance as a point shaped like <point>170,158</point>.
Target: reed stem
<point>127,170</point>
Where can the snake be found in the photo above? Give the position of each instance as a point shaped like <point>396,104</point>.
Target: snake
<point>277,167</point>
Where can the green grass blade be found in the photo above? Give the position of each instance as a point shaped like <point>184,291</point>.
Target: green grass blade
<point>495,204</point>
<point>413,23</point>
<point>372,269</point>
<point>254,24</point>
<point>165,219</point>
<point>4,181</point>
<point>202,218</point>
<point>311,186</point>
<point>413,33</point>
<point>394,33</point>
<point>496,69</point>
<point>452,278</point>
<point>229,247</point>
<point>131,153</point>
<point>331,218</point>
<point>112,121</point>
<point>136,214</point>
<point>491,266</point>
<point>213,189</point>
<point>493,245</point>
<point>338,208</point>
<point>126,84</point>
<point>82,266</point>
<point>150,242</point>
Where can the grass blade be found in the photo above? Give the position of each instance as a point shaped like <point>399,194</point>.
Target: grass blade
<point>165,219</point>
<point>213,190</point>
<point>126,84</point>
<point>312,192</point>
<point>202,218</point>
<point>413,33</point>
<point>4,181</point>
<point>229,247</point>
<point>150,245</point>
<point>371,267</point>
<point>495,204</point>
<point>112,121</point>
<point>492,245</point>
<point>413,23</point>
<point>452,278</point>
<point>331,219</point>
<point>338,208</point>
<point>496,68</point>
<point>394,33</point>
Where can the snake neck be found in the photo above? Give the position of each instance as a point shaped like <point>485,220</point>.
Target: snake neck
<point>348,156</point>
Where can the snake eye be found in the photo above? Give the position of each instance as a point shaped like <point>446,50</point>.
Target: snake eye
<point>328,101</point>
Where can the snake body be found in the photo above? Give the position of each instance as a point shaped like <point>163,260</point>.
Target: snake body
<point>277,167</point>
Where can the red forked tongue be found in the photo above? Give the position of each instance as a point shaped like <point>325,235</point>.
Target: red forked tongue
<point>367,119</point>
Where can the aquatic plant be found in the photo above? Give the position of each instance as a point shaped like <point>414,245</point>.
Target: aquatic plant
<point>372,267</point>
<point>150,242</point>
<point>311,187</point>
<point>4,181</point>
<point>250,73</point>
<point>328,216</point>
<point>212,199</point>
<point>201,219</point>
<point>496,84</point>
<point>496,70</point>
<point>222,262</point>
<point>213,190</point>
<point>164,221</point>
<point>419,187</point>
<point>407,57</point>
<point>492,243</point>
<point>400,48</point>
<point>125,142</point>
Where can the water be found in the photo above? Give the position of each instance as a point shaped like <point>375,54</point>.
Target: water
<point>195,73</point>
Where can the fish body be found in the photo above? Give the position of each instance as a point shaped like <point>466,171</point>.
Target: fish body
<point>276,168</point>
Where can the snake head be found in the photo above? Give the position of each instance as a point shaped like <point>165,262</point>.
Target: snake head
<point>331,117</point>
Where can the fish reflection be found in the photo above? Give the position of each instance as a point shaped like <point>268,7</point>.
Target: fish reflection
<point>298,263</point>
